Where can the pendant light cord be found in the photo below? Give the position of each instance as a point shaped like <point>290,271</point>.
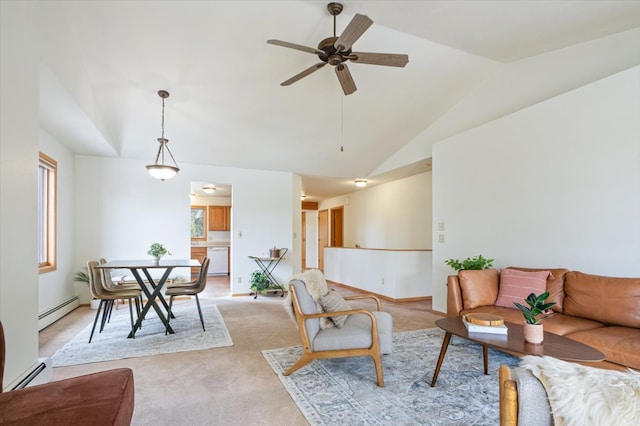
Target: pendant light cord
<point>162,117</point>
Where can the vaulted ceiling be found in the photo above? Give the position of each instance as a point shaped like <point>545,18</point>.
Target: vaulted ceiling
<point>104,61</point>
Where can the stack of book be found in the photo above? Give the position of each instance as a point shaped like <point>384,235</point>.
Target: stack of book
<point>484,323</point>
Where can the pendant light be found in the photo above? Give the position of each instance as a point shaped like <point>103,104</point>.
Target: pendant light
<point>159,169</point>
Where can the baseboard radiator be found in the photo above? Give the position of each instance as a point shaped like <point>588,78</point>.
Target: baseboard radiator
<point>55,313</point>
<point>40,374</point>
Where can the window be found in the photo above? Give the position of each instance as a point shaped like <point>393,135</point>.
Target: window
<point>47,196</point>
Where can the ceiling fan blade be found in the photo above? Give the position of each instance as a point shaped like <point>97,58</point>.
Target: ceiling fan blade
<point>296,46</point>
<point>358,25</point>
<point>303,74</point>
<point>346,81</point>
<point>388,59</point>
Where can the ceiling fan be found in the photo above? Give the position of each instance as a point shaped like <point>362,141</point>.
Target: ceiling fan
<point>337,50</point>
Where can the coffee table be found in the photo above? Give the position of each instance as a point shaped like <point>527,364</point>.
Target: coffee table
<point>553,345</point>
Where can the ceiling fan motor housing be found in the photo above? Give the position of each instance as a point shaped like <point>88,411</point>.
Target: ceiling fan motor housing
<point>331,54</point>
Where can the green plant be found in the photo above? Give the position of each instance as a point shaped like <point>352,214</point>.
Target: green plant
<point>81,277</point>
<point>477,262</point>
<point>536,307</point>
<point>158,250</point>
<point>259,282</point>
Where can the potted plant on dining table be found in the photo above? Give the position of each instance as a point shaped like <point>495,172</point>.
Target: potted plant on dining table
<point>158,250</point>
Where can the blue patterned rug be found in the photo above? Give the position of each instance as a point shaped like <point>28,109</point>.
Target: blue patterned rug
<point>343,391</point>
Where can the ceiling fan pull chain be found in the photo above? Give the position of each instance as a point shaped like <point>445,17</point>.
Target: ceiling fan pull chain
<point>341,122</point>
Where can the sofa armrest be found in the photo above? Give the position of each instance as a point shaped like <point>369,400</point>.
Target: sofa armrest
<point>454,296</point>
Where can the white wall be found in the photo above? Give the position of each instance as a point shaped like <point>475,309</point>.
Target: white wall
<point>397,274</point>
<point>312,239</point>
<point>554,185</point>
<point>57,287</point>
<point>523,83</point>
<point>395,215</point>
<point>121,210</point>
<point>18,188</point>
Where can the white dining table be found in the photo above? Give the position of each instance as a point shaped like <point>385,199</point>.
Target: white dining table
<point>142,267</point>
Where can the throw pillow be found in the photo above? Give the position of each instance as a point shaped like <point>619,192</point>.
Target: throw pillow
<point>479,287</point>
<point>333,302</point>
<point>516,285</point>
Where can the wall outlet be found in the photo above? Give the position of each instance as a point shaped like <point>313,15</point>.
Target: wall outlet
<point>239,280</point>
<point>441,238</point>
<point>382,281</point>
<point>440,226</point>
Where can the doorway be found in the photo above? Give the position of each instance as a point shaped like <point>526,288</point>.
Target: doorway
<point>215,199</point>
<point>337,226</point>
<point>323,233</point>
<point>304,241</point>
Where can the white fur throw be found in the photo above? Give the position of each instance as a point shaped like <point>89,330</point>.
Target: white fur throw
<point>317,287</point>
<point>583,396</point>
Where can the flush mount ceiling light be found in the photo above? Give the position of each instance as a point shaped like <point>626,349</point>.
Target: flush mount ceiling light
<point>159,169</point>
<point>360,183</point>
<point>209,188</point>
<point>302,197</point>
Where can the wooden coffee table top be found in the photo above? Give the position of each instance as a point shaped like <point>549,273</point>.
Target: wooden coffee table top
<point>553,345</point>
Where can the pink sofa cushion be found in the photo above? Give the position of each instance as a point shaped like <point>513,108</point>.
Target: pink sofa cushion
<point>516,285</point>
<point>479,287</point>
<point>555,285</point>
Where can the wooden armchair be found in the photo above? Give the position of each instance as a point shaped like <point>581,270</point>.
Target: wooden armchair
<point>364,333</point>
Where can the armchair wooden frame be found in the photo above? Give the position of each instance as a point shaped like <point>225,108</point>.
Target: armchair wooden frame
<point>508,398</point>
<point>309,354</point>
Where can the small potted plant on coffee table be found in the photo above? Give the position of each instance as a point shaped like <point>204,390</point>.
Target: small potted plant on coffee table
<point>533,330</point>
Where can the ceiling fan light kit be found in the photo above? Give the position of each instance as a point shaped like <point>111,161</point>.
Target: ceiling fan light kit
<point>336,51</point>
<point>159,169</point>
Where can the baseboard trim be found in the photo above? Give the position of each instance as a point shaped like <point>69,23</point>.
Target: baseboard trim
<point>54,314</point>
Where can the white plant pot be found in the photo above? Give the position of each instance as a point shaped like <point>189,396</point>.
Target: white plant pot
<point>95,303</point>
<point>533,333</point>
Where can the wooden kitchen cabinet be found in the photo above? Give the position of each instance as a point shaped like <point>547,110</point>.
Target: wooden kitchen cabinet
<point>219,218</point>
<point>198,253</point>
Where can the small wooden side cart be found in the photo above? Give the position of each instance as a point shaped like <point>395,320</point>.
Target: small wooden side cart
<point>267,265</point>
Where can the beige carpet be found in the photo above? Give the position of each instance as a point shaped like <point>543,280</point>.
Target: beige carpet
<point>227,386</point>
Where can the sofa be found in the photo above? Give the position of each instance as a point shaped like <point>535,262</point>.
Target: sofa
<point>599,311</point>
<point>99,399</point>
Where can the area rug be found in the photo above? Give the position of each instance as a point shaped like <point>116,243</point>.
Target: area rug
<point>113,343</point>
<point>343,391</point>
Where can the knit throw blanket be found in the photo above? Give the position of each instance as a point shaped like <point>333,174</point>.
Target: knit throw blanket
<point>317,287</point>
<point>583,396</point>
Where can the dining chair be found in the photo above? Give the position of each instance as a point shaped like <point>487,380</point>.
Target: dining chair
<point>190,289</point>
<point>110,285</point>
<point>106,298</point>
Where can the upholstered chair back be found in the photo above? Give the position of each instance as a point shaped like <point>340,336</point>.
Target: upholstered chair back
<point>307,306</point>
